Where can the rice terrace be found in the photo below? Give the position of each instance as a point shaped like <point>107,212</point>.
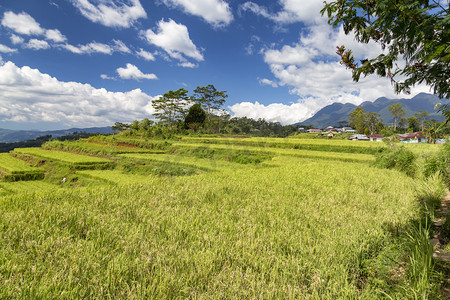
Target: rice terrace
<point>321,172</point>
<point>215,217</point>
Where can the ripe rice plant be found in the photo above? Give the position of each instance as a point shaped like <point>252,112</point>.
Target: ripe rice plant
<point>351,157</point>
<point>202,163</point>
<point>95,148</point>
<point>293,143</point>
<point>14,169</point>
<point>64,157</point>
<point>312,227</point>
<point>118,177</point>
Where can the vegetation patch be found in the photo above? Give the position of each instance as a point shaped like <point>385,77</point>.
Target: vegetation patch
<point>293,143</point>
<point>14,169</point>
<point>227,154</point>
<point>75,160</point>
<point>161,168</point>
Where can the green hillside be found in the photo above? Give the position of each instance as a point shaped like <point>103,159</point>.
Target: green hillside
<point>215,218</point>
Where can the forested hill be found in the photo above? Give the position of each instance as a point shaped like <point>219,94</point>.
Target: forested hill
<point>13,136</point>
<point>337,114</point>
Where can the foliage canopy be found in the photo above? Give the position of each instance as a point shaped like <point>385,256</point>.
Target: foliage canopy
<point>413,34</point>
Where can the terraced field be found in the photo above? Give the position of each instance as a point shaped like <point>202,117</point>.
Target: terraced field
<point>65,157</point>
<point>208,219</point>
<point>13,169</point>
<point>342,156</point>
<point>293,143</point>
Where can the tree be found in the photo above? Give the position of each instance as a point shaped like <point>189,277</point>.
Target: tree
<point>413,124</point>
<point>357,119</point>
<point>145,124</point>
<point>416,32</point>
<point>397,112</point>
<point>119,126</point>
<point>372,121</point>
<point>196,117</point>
<point>210,99</point>
<point>422,116</point>
<point>171,106</point>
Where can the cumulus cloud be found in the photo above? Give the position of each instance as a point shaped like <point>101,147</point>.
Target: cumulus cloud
<point>29,96</point>
<point>25,24</point>
<point>311,70</point>
<point>6,49</point>
<point>55,35</point>
<point>16,39</point>
<point>174,39</point>
<point>187,64</point>
<point>36,44</point>
<point>113,13</point>
<point>22,23</point>
<point>215,12</point>
<point>132,72</point>
<point>306,11</point>
<point>275,112</point>
<point>265,81</point>
<point>145,55</point>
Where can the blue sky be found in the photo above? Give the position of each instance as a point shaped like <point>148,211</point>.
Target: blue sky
<point>85,63</point>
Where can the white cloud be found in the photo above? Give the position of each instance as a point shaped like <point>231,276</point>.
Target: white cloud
<point>36,44</point>
<point>25,24</point>
<point>145,55</point>
<point>90,48</point>
<point>104,76</point>
<point>16,39</point>
<point>187,64</point>
<point>307,11</point>
<point>112,13</point>
<point>121,47</point>
<point>21,23</point>
<point>297,55</point>
<point>29,96</point>
<point>275,112</point>
<point>132,72</point>
<point>311,70</point>
<point>6,49</point>
<point>215,12</point>
<point>265,81</point>
<point>174,39</point>
<point>55,35</point>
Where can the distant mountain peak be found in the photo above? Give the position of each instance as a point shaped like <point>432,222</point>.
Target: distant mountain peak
<point>336,113</point>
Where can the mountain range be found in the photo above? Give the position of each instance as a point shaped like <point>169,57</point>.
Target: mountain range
<point>337,114</point>
<point>12,136</point>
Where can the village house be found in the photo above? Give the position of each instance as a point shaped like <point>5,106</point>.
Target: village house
<point>358,137</point>
<point>414,137</point>
<point>313,131</point>
<point>375,137</point>
<point>348,129</point>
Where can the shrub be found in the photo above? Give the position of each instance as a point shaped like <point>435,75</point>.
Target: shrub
<point>398,158</point>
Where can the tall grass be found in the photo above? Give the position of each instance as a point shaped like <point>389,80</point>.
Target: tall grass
<point>286,227</point>
<point>302,229</point>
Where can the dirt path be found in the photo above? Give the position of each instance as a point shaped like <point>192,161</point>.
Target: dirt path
<point>439,241</point>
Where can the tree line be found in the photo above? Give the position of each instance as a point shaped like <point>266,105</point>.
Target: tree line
<point>370,123</point>
<point>201,112</point>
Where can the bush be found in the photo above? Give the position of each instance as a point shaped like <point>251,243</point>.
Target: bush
<point>398,158</point>
<point>439,164</point>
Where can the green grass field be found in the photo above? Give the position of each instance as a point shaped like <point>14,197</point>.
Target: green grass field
<point>295,224</point>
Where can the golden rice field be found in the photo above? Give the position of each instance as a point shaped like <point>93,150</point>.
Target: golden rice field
<point>211,220</point>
